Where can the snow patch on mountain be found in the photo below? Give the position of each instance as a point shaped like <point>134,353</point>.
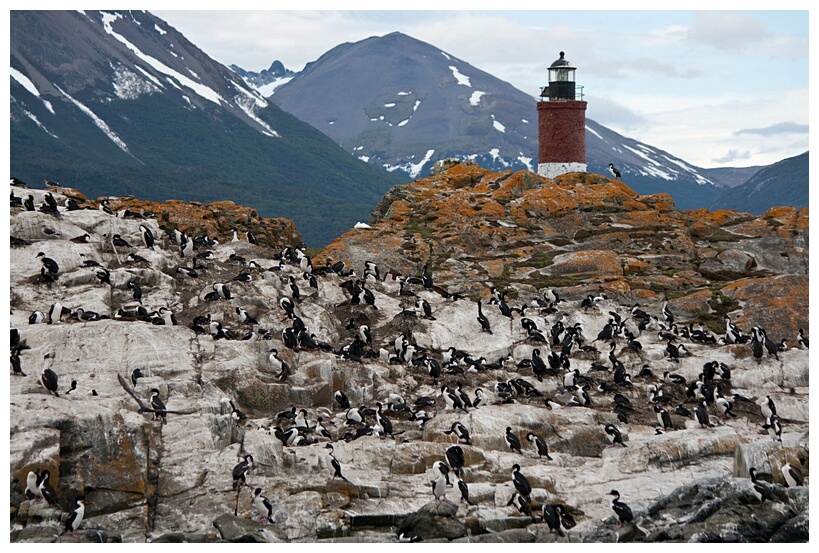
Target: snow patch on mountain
<point>130,86</point>
<point>460,77</point>
<point>258,100</point>
<point>200,89</point>
<point>270,88</point>
<point>102,125</point>
<point>412,169</point>
<point>595,133</point>
<point>24,81</point>
<point>246,105</point>
<point>475,99</point>
<point>527,161</point>
<point>160,30</point>
<point>497,158</point>
<point>648,170</point>
<point>153,79</point>
<point>33,118</point>
<point>498,125</point>
<point>697,177</point>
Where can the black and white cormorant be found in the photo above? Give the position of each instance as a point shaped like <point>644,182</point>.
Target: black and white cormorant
<point>334,463</point>
<point>455,457</point>
<point>512,440</point>
<point>520,482</point>
<point>521,504</point>
<point>765,491</point>
<point>160,412</point>
<point>484,322</point>
<point>49,264</point>
<point>702,414</point>
<point>614,433</point>
<point>551,516</point>
<point>147,236</point>
<point>614,171</point>
<point>240,472</point>
<point>622,510</point>
<point>46,489</point>
<point>341,399</point>
<point>461,432</point>
<point>663,418</point>
<point>540,445</point>
<point>49,380</point>
<point>792,475</point>
<point>72,523</point>
<point>262,505</point>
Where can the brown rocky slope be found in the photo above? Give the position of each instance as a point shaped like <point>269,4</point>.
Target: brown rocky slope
<point>585,234</point>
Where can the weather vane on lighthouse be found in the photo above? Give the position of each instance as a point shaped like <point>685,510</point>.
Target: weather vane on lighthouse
<point>561,121</point>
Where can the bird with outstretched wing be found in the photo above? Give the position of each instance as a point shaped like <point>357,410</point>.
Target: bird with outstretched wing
<point>143,407</point>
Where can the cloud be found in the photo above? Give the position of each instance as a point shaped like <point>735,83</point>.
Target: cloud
<point>787,127</point>
<point>614,115</point>
<point>732,156</point>
<point>654,67</point>
<point>743,33</point>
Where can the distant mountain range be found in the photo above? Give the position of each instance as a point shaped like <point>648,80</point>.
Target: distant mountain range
<point>404,104</point>
<point>116,103</point>
<point>119,102</point>
<point>782,183</point>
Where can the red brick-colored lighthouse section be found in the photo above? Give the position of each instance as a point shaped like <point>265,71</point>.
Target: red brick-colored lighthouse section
<point>561,136</point>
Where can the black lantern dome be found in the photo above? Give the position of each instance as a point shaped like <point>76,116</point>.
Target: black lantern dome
<point>561,80</point>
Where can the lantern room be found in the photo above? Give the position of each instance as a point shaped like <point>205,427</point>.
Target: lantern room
<point>561,80</point>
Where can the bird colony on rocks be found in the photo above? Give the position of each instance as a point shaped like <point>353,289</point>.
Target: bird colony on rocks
<point>556,369</point>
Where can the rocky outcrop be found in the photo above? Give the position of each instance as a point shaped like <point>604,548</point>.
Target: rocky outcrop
<point>583,233</point>
<point>171,479</point>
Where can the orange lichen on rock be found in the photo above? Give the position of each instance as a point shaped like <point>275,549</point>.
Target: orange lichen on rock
<point>216,219</point>
<point>777,303</point>
<point>587,261</point>
<point>580,229</point>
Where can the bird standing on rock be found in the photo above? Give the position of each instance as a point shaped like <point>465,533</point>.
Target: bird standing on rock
<point>512,440</point>
<point>72,523</point>
<point>483,320</point>
<point>49,265</point>
<point>540,443</point>
<point>616,436</point>
<point>622,510</point>
<point>334,463</point>
<point>46,489</point>
<point>158,406</point>
<point>49,380</point>
<point>262,505</point>
<point>520,482</point>
<point>240,472</point>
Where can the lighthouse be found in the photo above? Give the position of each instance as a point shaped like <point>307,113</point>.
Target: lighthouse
<point>561,123</point>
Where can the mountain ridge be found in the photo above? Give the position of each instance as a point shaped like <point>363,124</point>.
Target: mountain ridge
<point>137,108</point>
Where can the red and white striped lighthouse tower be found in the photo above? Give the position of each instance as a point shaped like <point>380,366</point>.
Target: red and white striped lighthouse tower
<point>561,123</point>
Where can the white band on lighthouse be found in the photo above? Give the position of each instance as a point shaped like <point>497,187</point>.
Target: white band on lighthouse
<point>552,170</point>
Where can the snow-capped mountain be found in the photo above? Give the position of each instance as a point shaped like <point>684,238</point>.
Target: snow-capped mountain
<point>119,102</point>
<point>267,80</point>
<point>403,104</point>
